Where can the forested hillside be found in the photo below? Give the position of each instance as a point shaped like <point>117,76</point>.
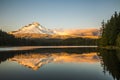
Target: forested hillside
<point>110,31</point>
<point>6,39</point>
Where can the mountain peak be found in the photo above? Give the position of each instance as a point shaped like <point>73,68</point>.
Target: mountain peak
<point>34,27</point>
<point>36,23</point>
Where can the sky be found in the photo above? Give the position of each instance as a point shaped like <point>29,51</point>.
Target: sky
<point>56,14</point>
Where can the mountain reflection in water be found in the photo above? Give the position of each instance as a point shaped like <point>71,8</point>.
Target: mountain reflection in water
<point>35,61</point>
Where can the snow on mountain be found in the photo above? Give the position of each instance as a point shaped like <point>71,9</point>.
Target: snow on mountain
<point>35,28</point>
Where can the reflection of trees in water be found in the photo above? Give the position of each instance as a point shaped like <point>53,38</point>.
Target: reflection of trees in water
<point>9,54</point>
<point>110,60</point>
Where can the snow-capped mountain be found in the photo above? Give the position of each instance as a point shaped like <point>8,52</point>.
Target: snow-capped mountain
<point>35,28</point>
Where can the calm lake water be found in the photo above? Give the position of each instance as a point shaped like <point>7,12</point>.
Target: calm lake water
<point>59,63</point>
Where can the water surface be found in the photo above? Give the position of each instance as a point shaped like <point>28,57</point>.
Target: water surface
<point>16,48</point>
<point>80,63</point>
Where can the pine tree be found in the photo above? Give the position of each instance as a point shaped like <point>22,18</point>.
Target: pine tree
<point>111,31</point>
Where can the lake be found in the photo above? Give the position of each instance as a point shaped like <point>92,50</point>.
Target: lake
<point>59,63</point>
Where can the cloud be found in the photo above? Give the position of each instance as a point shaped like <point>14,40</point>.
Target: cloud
<point>80,32</point>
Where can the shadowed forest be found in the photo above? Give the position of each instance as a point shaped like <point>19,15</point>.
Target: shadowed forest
<point>110,31</point>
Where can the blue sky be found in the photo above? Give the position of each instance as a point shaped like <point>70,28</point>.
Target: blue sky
<point>66,14</point>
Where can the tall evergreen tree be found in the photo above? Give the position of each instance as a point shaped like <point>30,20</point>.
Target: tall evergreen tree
<point>111,31</point>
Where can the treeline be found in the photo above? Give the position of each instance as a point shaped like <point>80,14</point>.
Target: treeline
<point>6,39</point>
<point>9,40</point>
<point>68,41</point>
<point>110,31</point>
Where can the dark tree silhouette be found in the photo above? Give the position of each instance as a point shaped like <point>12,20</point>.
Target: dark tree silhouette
<point>110,31</point>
